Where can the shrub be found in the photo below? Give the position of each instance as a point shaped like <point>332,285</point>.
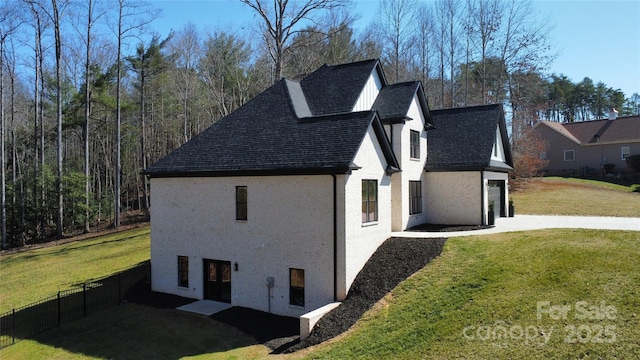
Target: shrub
<point>633,162</point>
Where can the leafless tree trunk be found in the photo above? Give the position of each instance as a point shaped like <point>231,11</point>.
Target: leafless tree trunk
<point>397,20</point>
<point>279,24</point>
<point>8,25</point>
<point>58,90</point>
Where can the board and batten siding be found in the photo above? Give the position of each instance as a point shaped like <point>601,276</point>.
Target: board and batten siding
<point>289,225</point>
<point>369,93</point>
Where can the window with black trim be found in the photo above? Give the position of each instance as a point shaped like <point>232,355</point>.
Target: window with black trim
<point>415,144</point>
<point>183,271</point>
<point>296,287</point>
<point>241,203</point>
<point>369,201</point>
<point>415,197</point>
<point>569,155</point>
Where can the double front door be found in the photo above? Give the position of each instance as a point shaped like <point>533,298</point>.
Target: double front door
<point>217,280</point>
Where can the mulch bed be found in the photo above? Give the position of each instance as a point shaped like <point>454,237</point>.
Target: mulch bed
<point>394,261</point>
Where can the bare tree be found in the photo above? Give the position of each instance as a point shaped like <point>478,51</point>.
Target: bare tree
<point>56,15</point>
<point>280,19</point>
<point>186,44</point>
<point>485,20</point>
<point>131,19</point>
<point>397,18</point>
<point>8,24</point>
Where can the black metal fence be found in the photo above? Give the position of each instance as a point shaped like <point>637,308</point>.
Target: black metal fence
<point>71,304</point>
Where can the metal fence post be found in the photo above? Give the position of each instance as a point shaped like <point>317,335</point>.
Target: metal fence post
<point>13,326</point>
<point>59,309</point>
<point>84,299</point>
<point>119,287</point>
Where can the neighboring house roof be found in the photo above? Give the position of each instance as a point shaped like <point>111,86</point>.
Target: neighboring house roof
<point>464,137</point>
<point>621,130</point>
<point>273,134</point>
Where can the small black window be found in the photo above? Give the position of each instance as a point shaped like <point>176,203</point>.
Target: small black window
<point>296,287</point>
<point>415,197</point>
<point>183,271</point>
<point>241,203</point>
<point>415,144</point>
<point>369,201</point>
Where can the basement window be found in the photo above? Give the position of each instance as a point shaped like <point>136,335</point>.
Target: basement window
<point>183,271</point>
<point>296,287</point>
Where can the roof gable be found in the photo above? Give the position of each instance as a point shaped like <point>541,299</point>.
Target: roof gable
<point>620,130</point>
<point>337,88</point>
<point>464,139</point>
<point>394,101</point>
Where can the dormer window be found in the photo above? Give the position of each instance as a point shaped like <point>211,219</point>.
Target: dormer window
<point>415,144</point>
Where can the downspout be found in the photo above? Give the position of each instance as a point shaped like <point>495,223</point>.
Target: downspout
<point>484,222</point>
<point>335,239</point>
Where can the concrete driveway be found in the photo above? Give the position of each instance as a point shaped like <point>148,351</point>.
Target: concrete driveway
<point>535,222</point>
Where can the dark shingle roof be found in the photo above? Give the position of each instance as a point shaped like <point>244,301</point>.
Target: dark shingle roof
<point>393,102</point>
<point>463,139</point>
<point>266,136</point>
<point>335,88</point>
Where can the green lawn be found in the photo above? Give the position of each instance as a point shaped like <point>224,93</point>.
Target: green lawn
<point>457,305</point>
<point>569,196</point>
<point>35,274</point>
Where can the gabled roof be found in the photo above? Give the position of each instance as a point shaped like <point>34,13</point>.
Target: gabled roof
<point>393,102</point>
<point>620,130</point>
<point>335,88</point>
<point>267,136</point>
<point>464,138</point>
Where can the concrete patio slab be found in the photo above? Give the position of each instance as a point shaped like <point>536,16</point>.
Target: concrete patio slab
<point>205,307</point>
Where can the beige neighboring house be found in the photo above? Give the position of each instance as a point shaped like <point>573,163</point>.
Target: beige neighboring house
<point>592,147</point>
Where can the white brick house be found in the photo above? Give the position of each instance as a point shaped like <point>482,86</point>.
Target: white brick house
<point>279,205</point>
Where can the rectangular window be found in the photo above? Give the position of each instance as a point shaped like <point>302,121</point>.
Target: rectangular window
<point>415,197</point>
<point>543,155</point>
<point>625,152</point>
<point>369,201</point>
<point>183,271</point>
<point>241,203</point>
<point>296,287</point>
<point>569,155</point>
<point>415,144</point>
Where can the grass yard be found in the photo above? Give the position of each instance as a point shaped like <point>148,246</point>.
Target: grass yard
<point>459,305</point>
<point>35,274</point>
<point>570,196</point>
<point>483,284</point>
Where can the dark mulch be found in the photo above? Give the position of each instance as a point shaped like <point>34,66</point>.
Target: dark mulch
<point>448,228</point>
<point>394,261</point>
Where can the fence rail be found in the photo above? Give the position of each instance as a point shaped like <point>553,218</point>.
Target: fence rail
<point>70,304</point>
